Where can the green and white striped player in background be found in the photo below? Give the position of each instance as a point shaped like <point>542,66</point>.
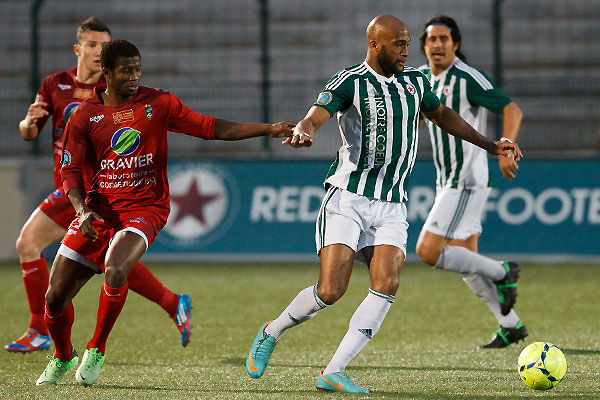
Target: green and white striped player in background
<point>377,104</point>
<point>450,234</point>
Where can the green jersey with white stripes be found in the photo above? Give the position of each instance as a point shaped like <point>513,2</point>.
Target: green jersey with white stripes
<point>378,120</point>
<point>469,92</point>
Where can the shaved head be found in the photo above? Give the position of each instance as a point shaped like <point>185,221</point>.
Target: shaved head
<point>387,39</point>
<point>384,25</point>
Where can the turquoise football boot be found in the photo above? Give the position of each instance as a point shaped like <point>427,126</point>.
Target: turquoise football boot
<point>338,382</point>
<point>260,352</point>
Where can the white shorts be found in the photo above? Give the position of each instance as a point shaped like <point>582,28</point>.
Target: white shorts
<point>358,221</point>
<point>456,213</point>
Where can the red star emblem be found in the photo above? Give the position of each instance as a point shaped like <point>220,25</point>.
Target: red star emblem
<point>192,203</point>
<point>411,89</point>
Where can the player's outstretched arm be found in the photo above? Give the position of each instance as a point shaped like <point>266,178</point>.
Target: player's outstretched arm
<point>27,126</point>
<point>304,133</point>
<point>510,130</point>
<point>229,130</point>
<point>449,121</point>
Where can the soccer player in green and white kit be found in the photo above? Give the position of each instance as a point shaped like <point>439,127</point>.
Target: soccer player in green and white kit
<point>377,104</point>
<point>450,234</point>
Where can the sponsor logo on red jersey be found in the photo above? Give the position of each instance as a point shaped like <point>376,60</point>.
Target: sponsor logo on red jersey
<point>69,110</point>
<point>80,93</point>
<point>96,118</point>
<point>125,141</point>
<point>123,116</point>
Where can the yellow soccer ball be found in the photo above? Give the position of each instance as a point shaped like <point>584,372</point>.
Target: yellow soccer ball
<point>542,365</point>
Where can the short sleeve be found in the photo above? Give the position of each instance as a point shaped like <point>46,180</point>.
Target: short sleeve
<point>430,101</point>
<point>482,92</point>
<point>337,94</point>
<point>183,119</point>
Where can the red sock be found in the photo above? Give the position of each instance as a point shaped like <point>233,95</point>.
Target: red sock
<point>143,282</point>
<point>110,306</point>
<point>35,278</point>
<point>59,324</point>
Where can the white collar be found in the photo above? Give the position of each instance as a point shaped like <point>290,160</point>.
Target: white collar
<point>444,72</point>
<point>377,75</point>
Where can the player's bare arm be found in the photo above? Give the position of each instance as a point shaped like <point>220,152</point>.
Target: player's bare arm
<point>27,126</point>
<point>229,130</point>
<point>86,216</point>
<point>449,121</point>
<point>512,122</point>
<point>304,133</point>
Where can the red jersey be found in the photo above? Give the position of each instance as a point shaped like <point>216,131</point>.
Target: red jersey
<point>125,147</point>
<point>63,94</point>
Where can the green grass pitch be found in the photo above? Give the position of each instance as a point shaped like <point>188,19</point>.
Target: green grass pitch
<point>426,348</point>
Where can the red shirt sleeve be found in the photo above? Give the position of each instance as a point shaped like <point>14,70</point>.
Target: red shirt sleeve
<point>74,152</point>
<point>183,119</point>
<point>46,97</point>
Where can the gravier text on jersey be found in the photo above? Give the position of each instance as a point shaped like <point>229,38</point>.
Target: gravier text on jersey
<point>144,160</point>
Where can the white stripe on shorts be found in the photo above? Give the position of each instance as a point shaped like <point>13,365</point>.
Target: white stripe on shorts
<point>75,256</point>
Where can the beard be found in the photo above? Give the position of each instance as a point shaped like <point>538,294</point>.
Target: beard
<point>387,64</point>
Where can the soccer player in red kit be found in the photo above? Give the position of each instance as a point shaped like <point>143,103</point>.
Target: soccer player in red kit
<point>121,134</point>
<point>59,96</point>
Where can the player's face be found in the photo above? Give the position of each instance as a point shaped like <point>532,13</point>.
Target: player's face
<point>439,47</point>
<point>124,79</point>
<point>89,48</point>
<point>393,50</point>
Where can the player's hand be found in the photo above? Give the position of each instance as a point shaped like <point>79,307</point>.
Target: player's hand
<point>508,167</point>
<point>299,139</point>
<point>509,150</point>
<point>282,129</point>
<point>36,110</point>
<point>86,226</point>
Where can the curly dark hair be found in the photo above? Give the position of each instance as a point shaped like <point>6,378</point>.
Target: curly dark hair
<point>454,32</point>
<point>92,24</point>
<point>115,49</point>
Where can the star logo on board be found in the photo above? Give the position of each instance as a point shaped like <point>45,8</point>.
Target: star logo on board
<point>193,203</point>
<point>204,204</point>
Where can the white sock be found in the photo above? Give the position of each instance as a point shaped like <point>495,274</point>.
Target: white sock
<point>304,306</point>
<point>363,326</point>
<point>465,261</point>
<point>485,289</point>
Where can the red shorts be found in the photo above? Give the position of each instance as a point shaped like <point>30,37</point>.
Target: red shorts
<point>58,207</point>
<point>91,253</point>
